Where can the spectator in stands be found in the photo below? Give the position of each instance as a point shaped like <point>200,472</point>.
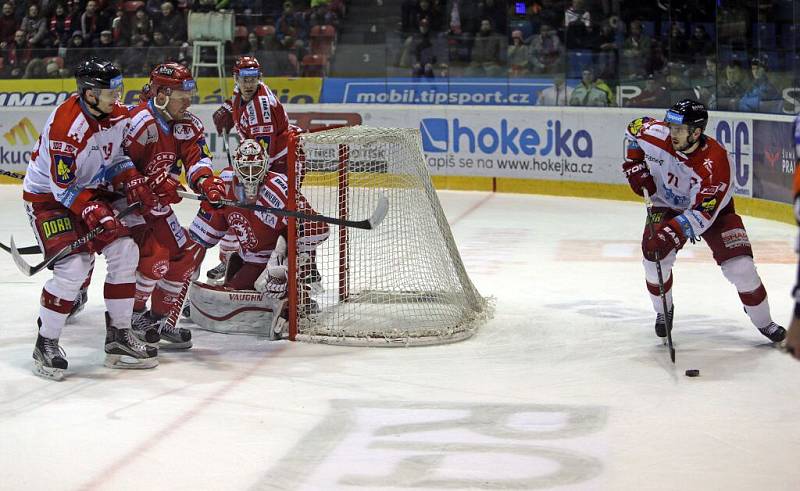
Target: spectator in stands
<point>705,83</point>
<point>636,51</point>
<point>590,92</point>
<point>654,94</point>
<point>488,52</point>
<point>608,41</point>
<point>519,55</point>
<point>76,51</point>
<point>546,51</point>
<point>171,24</point>
<point>253,45</point>
<point>700,44</point>
<point>142,26</point>
<point>35,28</point>
<point>429,9</point>
<point>8,25</point>
<point>159,51</point>
<point>92,22</point>
<point>678,46</point>
<point>495,11</point>
<point>291,23</point>
<point>547,15</point>
<point>556,95</point>
<point>762,96</point>
<point>153,8</point>
<point>578,23</point>
<point>105,46</point>
<point>17,55</point>
<point>732,88</point>
<point>132,62</point>
<point>60,26</point>
<point>419,52</point>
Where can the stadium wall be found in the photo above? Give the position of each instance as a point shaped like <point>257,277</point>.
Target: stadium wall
<point>566,151</point>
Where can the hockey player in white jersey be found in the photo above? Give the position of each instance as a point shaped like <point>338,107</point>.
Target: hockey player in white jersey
<point>688,175</point>
<point>78,154</point>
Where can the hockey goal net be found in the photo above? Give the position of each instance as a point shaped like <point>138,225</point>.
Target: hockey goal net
<point>402,283</point>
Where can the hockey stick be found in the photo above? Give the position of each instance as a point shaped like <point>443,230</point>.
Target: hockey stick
<point>29,270</point>
<point>226,147</point>
<point>667,318</point>
<point>34,249</point>
<point>370,223</point>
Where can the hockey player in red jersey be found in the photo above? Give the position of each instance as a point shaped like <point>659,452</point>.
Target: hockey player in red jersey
<point>79,151</point>
<point>163,136</point>
<point>257,114</point>
<point>259,234</point>
<point>688,176</point>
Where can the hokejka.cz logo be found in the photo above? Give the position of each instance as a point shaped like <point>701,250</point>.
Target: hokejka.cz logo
<point>445,135</point>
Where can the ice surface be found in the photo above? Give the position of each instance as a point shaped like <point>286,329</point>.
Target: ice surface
<point>566,388</point>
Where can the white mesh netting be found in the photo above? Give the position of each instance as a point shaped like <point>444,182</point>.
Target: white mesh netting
<point>402,283</point>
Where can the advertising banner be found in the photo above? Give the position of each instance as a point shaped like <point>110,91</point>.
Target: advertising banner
<point>736,135</point>
<point>462,91</point>
<point>773,160</point>
<point>51,92</point>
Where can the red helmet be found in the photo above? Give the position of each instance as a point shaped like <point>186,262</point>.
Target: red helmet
<point>247,66</point>
<point>168,77</point>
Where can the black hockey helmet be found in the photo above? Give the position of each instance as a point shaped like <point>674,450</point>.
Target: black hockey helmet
<point>97,73</point>
<point>688,112</point>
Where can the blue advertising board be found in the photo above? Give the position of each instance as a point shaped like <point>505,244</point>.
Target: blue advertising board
<point>462,91</point>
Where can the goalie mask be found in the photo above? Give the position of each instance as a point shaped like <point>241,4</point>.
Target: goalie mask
<point>250,167</point>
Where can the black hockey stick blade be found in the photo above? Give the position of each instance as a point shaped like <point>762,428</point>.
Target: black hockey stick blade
<point>370,223</point>
<point>27,250</point>
<point>29,270</point>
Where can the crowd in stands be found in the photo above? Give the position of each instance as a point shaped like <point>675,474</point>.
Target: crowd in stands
<point>47,38</point>
<point>715,53</point>
<point>730,57</point>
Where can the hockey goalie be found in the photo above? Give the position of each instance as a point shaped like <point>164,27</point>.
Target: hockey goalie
<point>252,298</point>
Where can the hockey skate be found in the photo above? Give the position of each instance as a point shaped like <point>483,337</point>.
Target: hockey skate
<point>125,350</point>
<point>216,275</point>
<point>774,332</point>
<point>173,337</point>
<point>49,360</point>
<point>80,303</point>
<point>145,327</point>
<point>661,323</point>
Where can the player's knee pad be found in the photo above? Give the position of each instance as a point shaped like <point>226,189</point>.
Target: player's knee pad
<point>122,256</point>
<point>651,270</point>
<point>741,271</point>
<point>68,276</point>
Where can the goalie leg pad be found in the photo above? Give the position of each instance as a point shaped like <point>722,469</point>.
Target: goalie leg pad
<point>224,310</point>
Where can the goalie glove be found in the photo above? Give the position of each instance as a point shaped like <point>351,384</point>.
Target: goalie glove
<point>272,280</point>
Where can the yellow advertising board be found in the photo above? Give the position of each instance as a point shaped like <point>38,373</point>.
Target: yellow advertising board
<point>51,92</point>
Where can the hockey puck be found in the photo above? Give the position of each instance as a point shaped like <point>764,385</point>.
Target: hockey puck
<point>692,372</point>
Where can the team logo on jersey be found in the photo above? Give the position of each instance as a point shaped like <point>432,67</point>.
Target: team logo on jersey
<point>637,124</point>
<point>708,205</point>
<point>56,226</point>
<point>183,131</point>
<point>245,233</point>
<point>160,268</point>
<point>64,169</point>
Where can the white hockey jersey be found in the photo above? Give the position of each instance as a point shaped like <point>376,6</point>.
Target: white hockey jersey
<point>76,154</point>
<point>698,184</point>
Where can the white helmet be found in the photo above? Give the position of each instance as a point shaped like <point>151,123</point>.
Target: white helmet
<point>250,166</point>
